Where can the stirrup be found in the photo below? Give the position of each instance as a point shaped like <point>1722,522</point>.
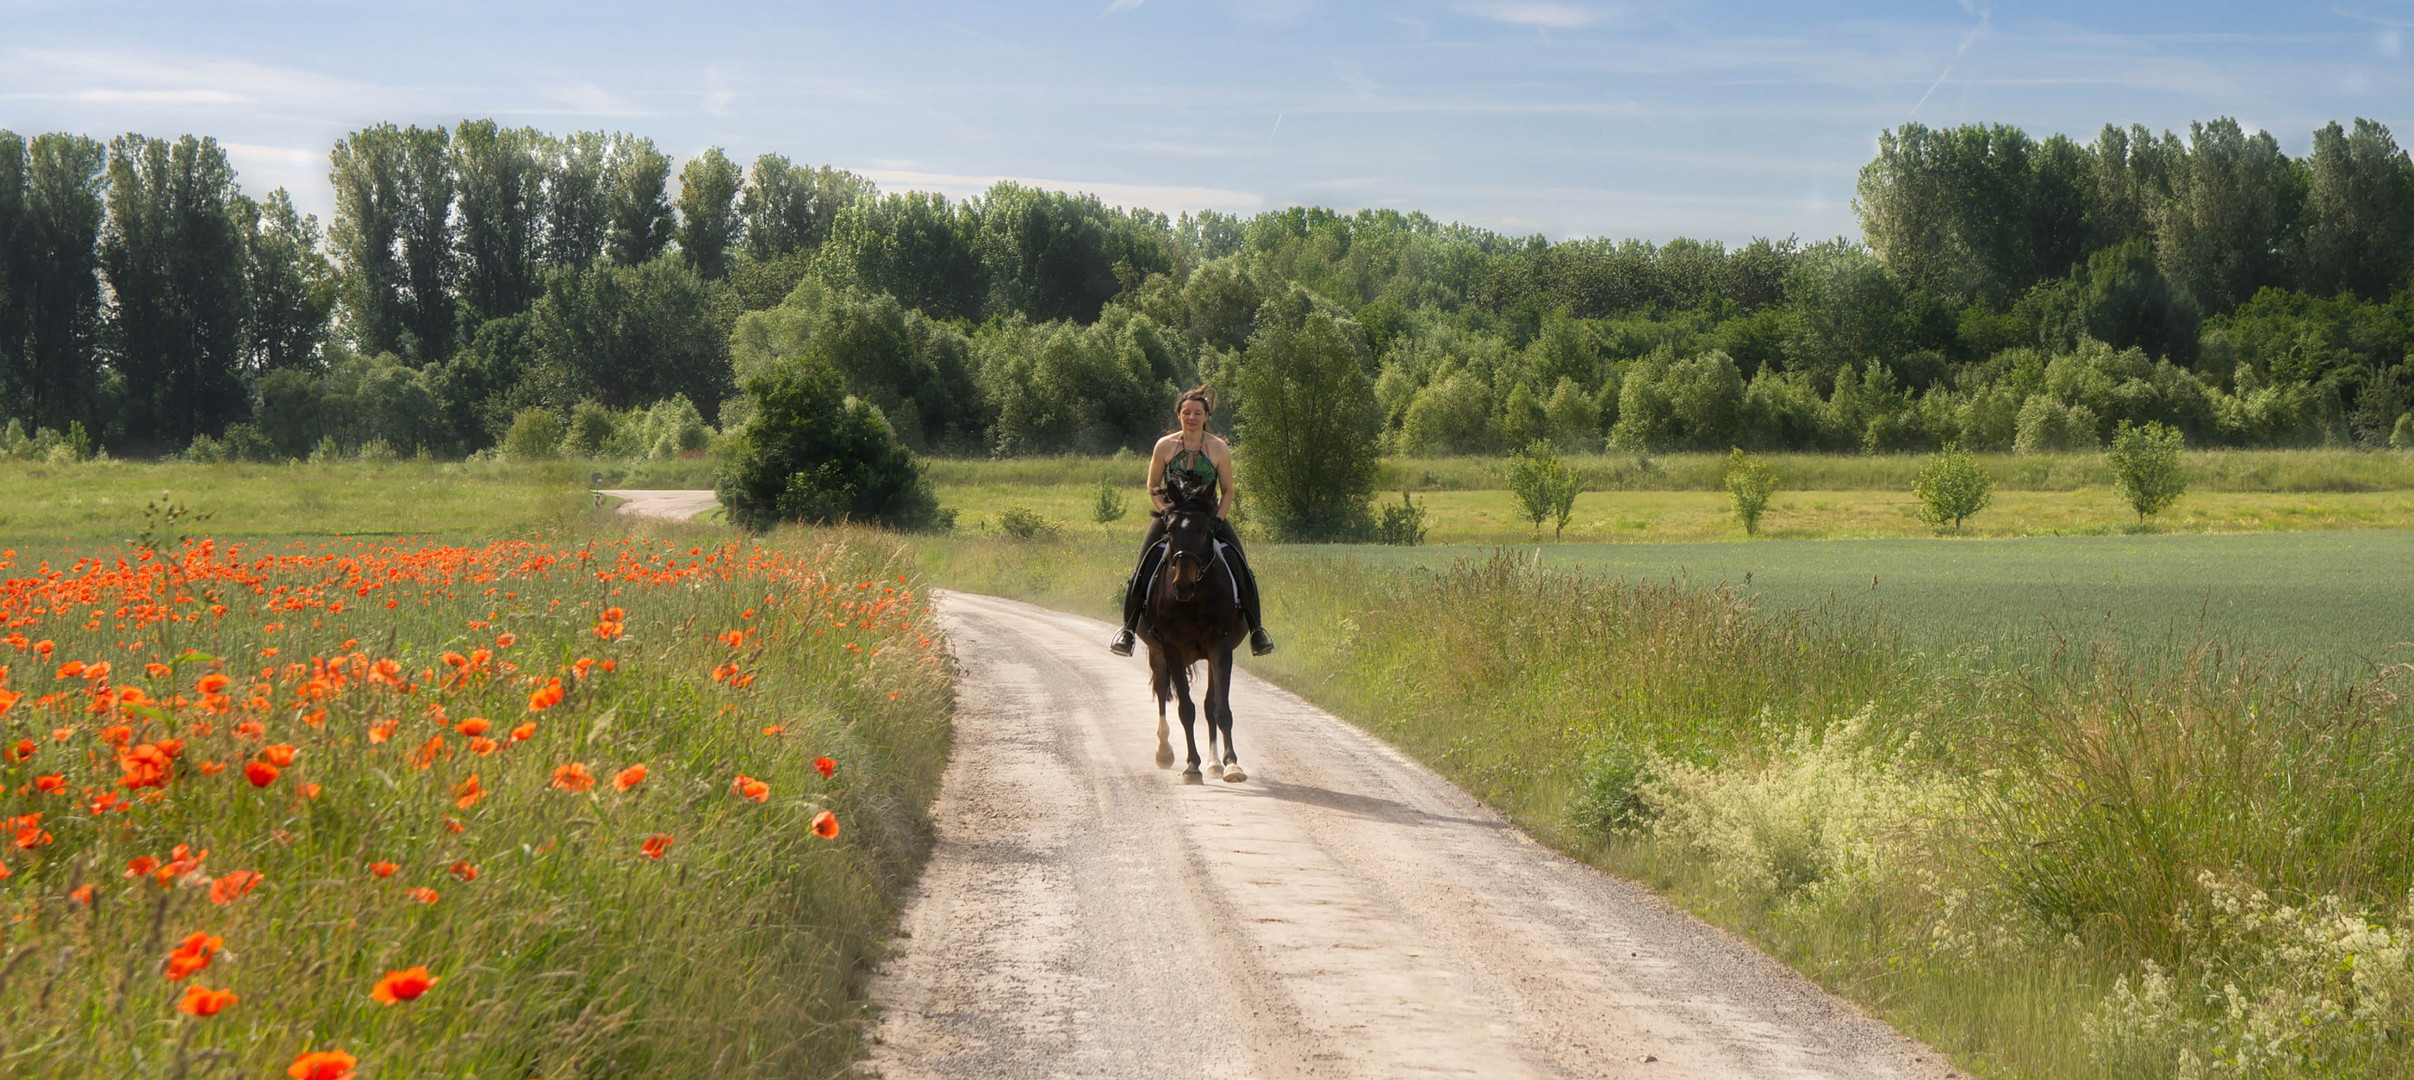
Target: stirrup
<point>1123,642</point>
<point>1260,643</point>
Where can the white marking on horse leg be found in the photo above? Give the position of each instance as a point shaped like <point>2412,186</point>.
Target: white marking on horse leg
<point>1164,740</point>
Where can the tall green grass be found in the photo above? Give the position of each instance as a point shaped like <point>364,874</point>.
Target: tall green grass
<point>2126,859</point>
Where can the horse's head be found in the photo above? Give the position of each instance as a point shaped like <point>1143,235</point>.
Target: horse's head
<point>1189,550</point>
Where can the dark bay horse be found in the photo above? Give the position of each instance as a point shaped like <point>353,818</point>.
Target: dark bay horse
<point>1193,614</point>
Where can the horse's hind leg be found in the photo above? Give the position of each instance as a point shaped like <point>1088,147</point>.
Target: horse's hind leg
<point>1190,716</point>
<point>1219,713</point>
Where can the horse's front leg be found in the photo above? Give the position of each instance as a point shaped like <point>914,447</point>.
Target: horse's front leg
<point>1190,716</point>
<point>1219,712</point>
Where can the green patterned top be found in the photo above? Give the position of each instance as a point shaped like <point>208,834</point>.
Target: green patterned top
<point>1196,464</point>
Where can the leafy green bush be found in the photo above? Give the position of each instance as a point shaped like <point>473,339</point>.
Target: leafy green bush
<point>2145,466</point>
<point>591,430</point>
<point>2402,436</point>
<point>1952,487</point>
<point>1402,523</point>
<point>1545,487</point>
<point>1750,481</point>
<point>535,435</point>
<point>810,453</point>
<point>1611,800</point>
<point>1024,523</point>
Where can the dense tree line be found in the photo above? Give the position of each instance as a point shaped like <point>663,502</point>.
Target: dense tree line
<point>2008,292</point>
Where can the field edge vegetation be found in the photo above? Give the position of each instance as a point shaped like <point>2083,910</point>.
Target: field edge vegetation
<point>2173,862</point>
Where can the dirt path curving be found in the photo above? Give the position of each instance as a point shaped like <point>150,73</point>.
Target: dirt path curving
<point>1343,913</point>
<point>676,505</point>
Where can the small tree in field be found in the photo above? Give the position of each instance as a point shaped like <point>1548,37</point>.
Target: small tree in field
<point>1751,481</point>
<point>1309,427</point>
<point>2145,466</point>
<point>1109,505</point>
<point>1952,487</point>
<point>1545,487</point>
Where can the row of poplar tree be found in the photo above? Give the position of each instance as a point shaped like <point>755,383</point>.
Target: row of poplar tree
<point>2008,287</point>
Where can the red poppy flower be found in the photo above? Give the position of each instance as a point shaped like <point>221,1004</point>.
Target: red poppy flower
<point>201,1002</point>
<point>775,730</point>
<point>546,696</point>
<point>404,985</point>
<point>260,773</point>
<point>421,894</point>
<point>383,869</point>
<point>467,793</point>
<point>191,956</point>
<point>213,683</point>
<point>232,886</point>
<point>141,866</point>
<point>524,732</point>
<point>475,725</point>
<point>463,870</point>
<point>323,1065</point>
<point>655,845</point>
<point>573,777</point>
<point>506,640</point>
<point>278,754</point>
<point>825,825</point>
<point>752,788</point>
<point>628,778</point>
<point>81,894</point>
<point>52,784</point>
<point>825,767</point>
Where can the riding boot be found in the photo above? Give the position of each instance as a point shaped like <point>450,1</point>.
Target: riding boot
<point>1134,593</point>
<point>1260,643</point>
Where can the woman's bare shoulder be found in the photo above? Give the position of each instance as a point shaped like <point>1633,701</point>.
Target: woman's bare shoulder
<point>1169,442</point>
<point>1215,444</point>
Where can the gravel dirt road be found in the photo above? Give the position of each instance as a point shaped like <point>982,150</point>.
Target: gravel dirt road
<point>1343,913</point>
<point>677,505</point>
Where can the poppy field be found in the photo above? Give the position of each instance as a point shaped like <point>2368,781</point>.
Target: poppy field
<point>540,807</point>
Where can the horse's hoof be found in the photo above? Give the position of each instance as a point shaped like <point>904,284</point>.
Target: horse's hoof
<point>1215,770</point>
<point>1234,775</point>
<point>1165,757</point>
<point>1191,776</point>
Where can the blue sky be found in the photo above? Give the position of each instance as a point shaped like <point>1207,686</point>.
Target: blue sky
<point>1713,120</point>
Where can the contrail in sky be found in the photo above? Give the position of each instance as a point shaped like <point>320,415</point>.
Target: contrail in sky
<point>1967,40</point>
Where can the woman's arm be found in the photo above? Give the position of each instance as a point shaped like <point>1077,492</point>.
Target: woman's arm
<point>1156,469</point>
<point>1219,453</point>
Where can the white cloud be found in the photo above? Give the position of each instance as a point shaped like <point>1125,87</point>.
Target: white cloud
<point>583,98</point>
<point>1121,6</point>
<point>1546,16</point>
<point>1164,198</point>
<point>114,77</point>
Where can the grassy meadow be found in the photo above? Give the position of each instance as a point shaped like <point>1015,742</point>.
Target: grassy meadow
<point>640,799</point>
<point>1681,498</point>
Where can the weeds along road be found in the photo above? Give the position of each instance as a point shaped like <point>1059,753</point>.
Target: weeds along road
<point>1343,913</point>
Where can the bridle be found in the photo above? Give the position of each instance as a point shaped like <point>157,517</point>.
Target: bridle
<point>1181,520</point>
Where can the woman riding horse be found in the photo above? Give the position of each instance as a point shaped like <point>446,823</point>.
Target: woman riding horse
<point>1206,461</point>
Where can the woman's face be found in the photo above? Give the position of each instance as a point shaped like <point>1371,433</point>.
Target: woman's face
<point>1194,415</point>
